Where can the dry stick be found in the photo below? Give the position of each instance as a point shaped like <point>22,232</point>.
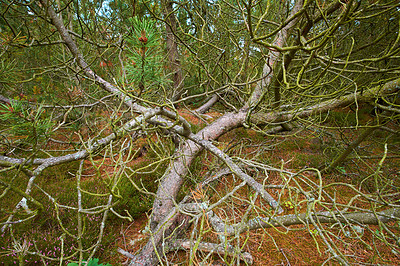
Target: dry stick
<point>173,178</point>
<point>219,227</point>
<point>73,48</point>
<point>211,248</point>
<point>190,209</point>
<point>162,229</point>
<point>237,171</point>
<point>4,99</point>
<point>322,217</point>
<point>95,78</point>
<point>210,102</point>
<point>90,148</point>
<point>286,220</point>
<point>171,182</point>
<point>125,253</point>
<point>216,175</point>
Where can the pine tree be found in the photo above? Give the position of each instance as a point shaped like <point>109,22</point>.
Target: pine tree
<point>145,62</point>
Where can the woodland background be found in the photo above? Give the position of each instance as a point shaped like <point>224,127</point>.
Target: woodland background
<point>199,132</point>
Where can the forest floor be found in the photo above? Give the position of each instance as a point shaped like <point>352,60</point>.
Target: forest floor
<point>311,149</point>
<point>308,146</point>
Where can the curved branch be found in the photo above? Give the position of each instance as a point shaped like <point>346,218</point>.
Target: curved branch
<point>69,42</point>
<point>90,147</point>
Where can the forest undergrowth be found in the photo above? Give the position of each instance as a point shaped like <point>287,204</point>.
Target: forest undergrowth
<point>305,147</point>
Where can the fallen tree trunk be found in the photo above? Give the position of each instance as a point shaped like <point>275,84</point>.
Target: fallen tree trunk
<point>362,218</point>
<point>164,219</point>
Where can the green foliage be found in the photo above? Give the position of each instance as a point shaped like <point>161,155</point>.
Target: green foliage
<point>26,122</point>
<point>92,262</point>
<point>8,73</point>
<point>134,200</point>
<point>144,59</point>
<point>343,118</point>
<point>341,169</point>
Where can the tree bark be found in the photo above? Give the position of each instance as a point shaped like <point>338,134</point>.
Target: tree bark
<point>206,106</point>
<point>322,217</point>
<point>173,178</point>
<point>164,216</point>
<point>172,49</point>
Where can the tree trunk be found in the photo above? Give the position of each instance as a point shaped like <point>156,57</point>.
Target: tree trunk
<point>165,217</point>
<point>172,49</point>
<point>173,178</point>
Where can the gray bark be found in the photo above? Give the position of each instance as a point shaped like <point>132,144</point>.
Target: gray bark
<point>210,102</point>
<point>165,216</point>
<point>4,99</point>
<point>322,217</point>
